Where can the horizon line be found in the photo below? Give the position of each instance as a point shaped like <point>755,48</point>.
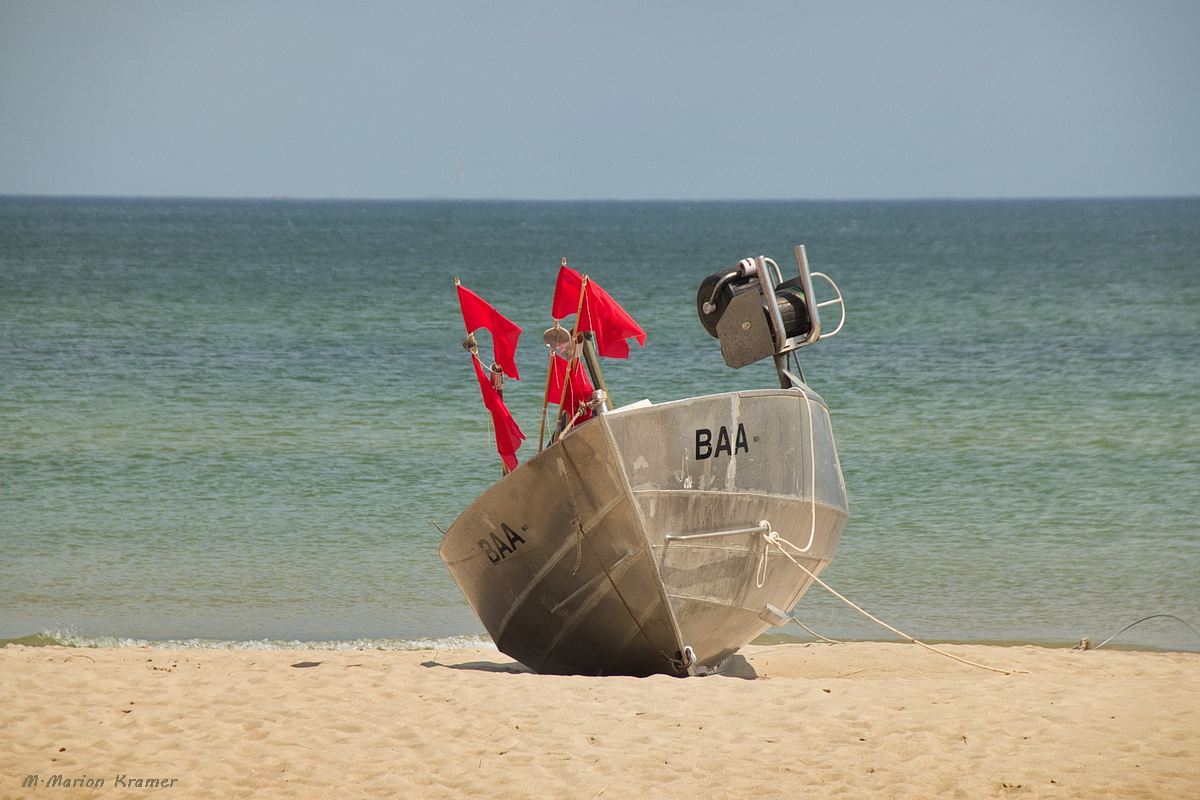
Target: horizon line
<point>283,198</point>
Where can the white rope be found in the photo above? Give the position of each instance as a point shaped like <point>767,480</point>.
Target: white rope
<point>760,574</point>
<point>774,538</point>
<point>814,633</point>
<point>764,527</point>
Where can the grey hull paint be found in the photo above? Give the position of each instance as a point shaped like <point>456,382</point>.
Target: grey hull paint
<point>596,556</point>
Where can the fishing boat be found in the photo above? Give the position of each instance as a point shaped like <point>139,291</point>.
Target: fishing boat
<point>655,537</point>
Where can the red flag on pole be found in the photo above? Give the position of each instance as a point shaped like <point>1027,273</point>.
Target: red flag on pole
<point>508,433</point>
<point>579,385</point>
<point>477,313</point>
<point>601,314</point>
<point>566,292</point>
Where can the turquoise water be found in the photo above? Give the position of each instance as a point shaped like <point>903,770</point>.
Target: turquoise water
<point>237,421</point>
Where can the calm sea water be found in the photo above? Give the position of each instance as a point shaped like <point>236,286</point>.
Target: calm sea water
<point>236,422</point>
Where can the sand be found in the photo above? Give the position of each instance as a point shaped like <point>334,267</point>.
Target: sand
<point>820,720</point>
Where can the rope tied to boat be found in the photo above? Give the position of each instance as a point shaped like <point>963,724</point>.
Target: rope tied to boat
<point>578,544</point>
<point>772,537</point>
<point>760,574</point>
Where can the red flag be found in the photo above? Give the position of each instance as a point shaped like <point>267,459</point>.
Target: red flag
<point>566,292</point>
<point>601,314</point>
<point>508,433</point>
<point>579,385</point>
<point>477,313</point>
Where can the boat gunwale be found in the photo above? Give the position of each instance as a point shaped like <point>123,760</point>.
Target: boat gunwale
<point>797,390</point>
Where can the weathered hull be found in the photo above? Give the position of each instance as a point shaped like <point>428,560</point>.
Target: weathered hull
<point>637,535</point>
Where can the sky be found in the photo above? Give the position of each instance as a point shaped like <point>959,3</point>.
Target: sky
<point>616,99</point>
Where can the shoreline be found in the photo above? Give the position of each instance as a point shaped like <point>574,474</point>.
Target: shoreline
<point>861,719</point>
<point>481,641</point>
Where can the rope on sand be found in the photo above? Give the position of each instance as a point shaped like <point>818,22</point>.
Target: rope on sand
<point>774,538</point>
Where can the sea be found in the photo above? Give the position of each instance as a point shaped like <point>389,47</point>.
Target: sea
<point>244,423</point>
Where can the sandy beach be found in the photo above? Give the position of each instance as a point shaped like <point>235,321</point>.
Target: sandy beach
<point>817,720</point>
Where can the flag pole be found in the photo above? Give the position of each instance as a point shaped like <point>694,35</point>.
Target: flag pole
<point>572,356</point>
<point>472,346</point>
<point>496,376</point>
<point>590,357</point>
<point>549,375</point>
<point>550,364</point>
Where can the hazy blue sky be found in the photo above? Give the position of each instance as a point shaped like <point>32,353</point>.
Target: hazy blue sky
<point>606,99</point>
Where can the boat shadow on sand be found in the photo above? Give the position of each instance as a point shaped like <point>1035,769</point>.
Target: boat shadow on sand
<point>736,666</point>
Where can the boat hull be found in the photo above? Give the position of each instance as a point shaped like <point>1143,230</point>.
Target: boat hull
<point>638,543</point>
